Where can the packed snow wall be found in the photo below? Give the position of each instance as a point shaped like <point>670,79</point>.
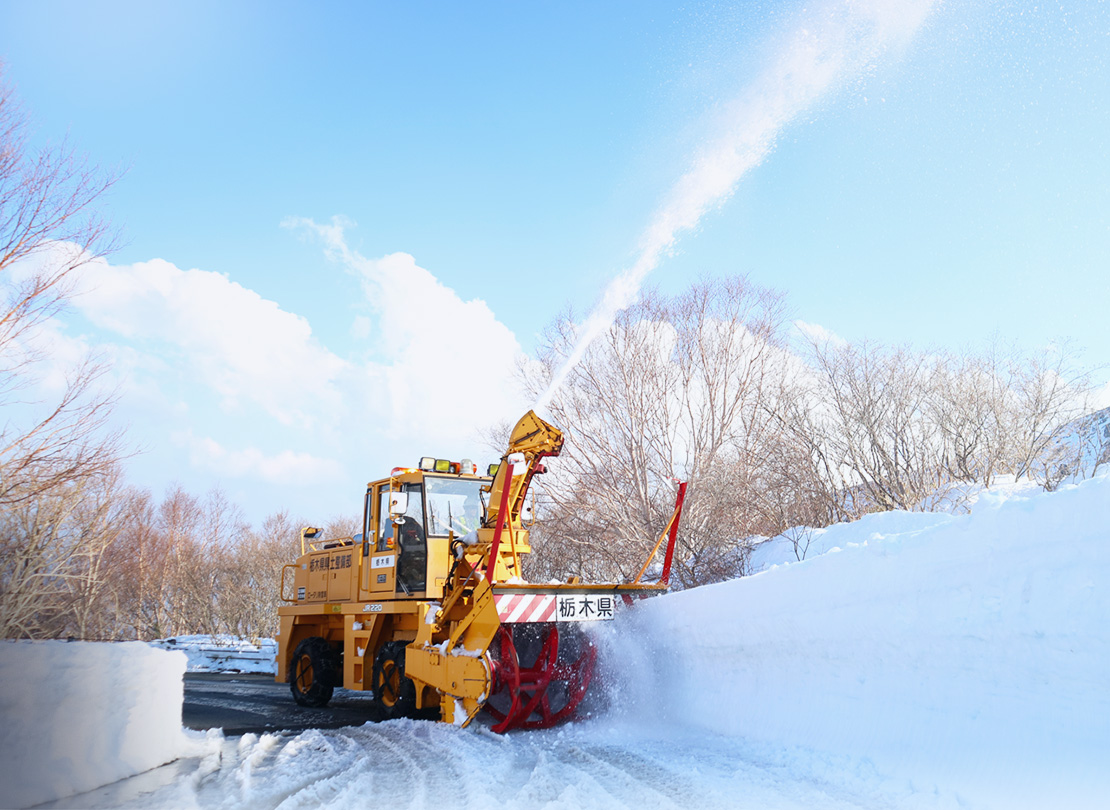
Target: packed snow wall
<point>79,715</point>
<point>970,651</point>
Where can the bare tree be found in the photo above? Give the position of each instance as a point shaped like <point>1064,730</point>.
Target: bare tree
<point>898,429</point>
<point>252,589</point>
<point>58,577</point>
<point>969,404</point>
<point>56,459</point>
<point>192,565</point>
<point>140,565</point>
<point>49,229</point>
<point>98,524</point>
<point>1078,452</point>
<point>39,561</point>
<point>341,526</point>
<point>677,388</point>
<point>1049,394</point>
<point>876,404</point>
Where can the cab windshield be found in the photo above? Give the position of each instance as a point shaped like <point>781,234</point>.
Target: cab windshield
<point>453,505</point>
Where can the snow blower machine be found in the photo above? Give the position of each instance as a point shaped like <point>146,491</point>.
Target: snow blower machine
<point>427,608</point>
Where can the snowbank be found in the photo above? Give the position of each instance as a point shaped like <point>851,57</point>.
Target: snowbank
<point>971,654</point>
<point>811,543</point>
<point>79,715</point>
<point>804,543</point>
<point>207,653</point>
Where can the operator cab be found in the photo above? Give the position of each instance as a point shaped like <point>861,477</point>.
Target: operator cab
<point>409,520</point>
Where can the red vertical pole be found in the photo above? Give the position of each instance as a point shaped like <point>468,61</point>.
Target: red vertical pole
<point>501,509</point>
<point>666,578</point>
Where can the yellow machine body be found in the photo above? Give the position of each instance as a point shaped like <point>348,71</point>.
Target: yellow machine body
<point>410,608</point>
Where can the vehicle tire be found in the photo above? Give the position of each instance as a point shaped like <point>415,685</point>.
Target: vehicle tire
<point>394,693</point>
<point>313,672</point>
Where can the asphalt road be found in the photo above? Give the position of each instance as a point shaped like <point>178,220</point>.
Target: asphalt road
<point>240,704</point>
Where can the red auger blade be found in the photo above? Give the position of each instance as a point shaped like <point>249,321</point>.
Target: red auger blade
<point>549,688</point>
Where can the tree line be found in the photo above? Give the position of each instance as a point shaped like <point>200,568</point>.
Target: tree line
<point>100,560</point>
<point>773,431</point>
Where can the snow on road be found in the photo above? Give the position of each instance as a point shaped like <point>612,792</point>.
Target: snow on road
<point>410,764</point>
<point>924,661</point>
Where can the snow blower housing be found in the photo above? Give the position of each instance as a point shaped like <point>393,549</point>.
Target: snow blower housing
<point>427,608</point>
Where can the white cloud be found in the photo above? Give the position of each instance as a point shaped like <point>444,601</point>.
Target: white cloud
<point>243,346</point>
<point>449,366</point>
<point>361,327</point>
<point>423,372</point>
<point>284,468</point>
<point>1102,397</point>
<point>816,333</point>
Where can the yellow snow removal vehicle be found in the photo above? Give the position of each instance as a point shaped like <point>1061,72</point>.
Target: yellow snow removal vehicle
<point>428,610</point>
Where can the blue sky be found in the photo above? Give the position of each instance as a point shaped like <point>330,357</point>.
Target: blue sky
<point>950,182</point>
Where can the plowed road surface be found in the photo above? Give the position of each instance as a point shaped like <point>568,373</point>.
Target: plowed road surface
<point>610,762</point>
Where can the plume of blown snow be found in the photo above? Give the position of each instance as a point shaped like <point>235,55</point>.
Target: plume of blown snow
<point>830,46</point>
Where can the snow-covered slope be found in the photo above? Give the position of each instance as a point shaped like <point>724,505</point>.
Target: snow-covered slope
<point>966,652</point>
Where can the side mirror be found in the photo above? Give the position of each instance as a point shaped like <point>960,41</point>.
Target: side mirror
<point>398,503</point>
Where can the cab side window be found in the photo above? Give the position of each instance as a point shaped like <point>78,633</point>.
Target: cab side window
<point>414,513</point>
<point>412,545</point>
<point>385,524</point>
